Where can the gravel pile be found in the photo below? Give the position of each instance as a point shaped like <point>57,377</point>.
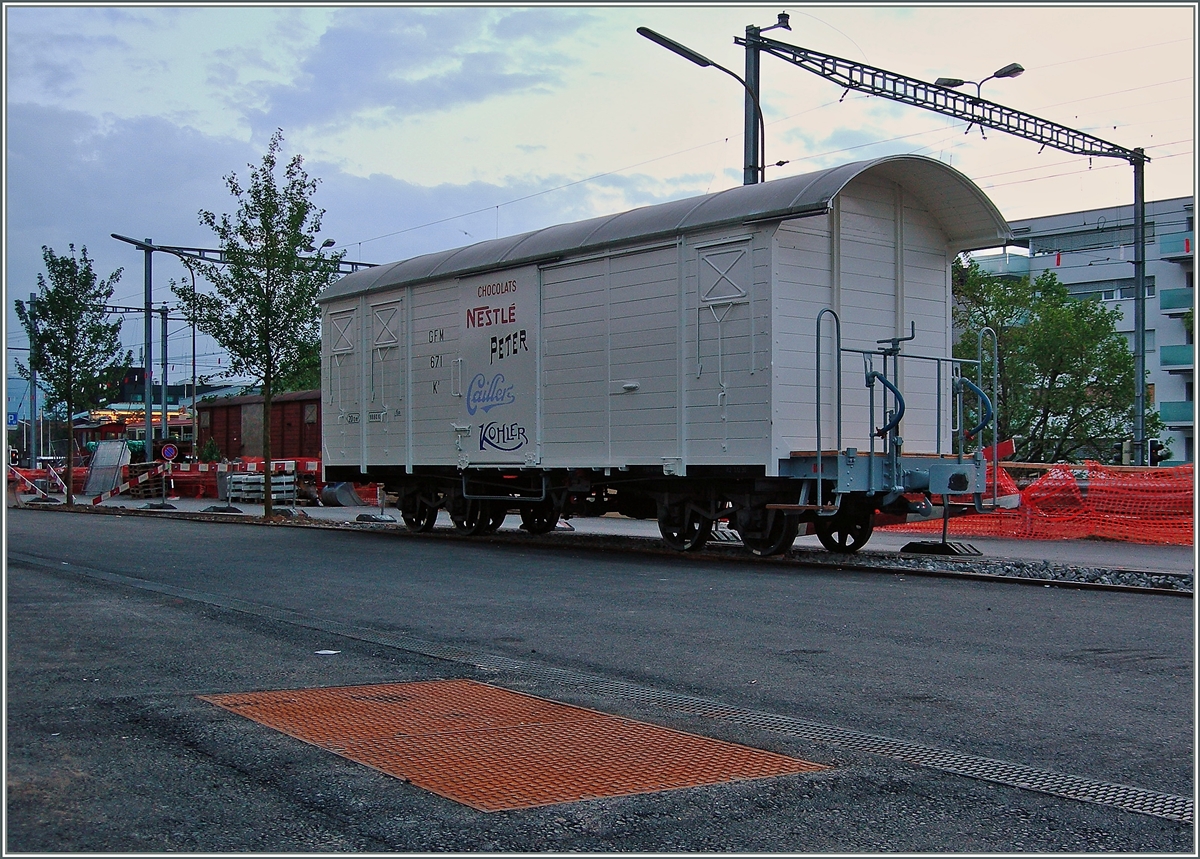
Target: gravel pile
<point>1039,570</point>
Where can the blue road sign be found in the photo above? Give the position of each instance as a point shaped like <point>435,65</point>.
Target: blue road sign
<point>169,451</point>
<point>12,419</point>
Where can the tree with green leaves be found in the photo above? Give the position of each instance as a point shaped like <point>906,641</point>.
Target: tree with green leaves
<point>73,349</point>
<point>1066,376</point>
<point>263,309</point>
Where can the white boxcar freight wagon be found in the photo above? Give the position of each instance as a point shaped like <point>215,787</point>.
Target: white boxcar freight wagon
<point>749,356</point>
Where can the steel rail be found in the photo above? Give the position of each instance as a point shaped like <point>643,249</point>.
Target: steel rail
<point>723,550</point>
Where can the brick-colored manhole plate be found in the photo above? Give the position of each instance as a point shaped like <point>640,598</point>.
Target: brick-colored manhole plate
<point>493,749</point>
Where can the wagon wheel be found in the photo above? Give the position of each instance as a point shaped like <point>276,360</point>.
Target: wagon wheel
<point>472,517</point>
<point>684,529</point>
<point>417,514</point>
<point>539,519</point>
<point>496,512</point>
<point>839,534</point>
<point>778,537</point>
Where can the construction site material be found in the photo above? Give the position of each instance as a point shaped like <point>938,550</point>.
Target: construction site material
<point>341,495</point>
<point>1072,502</point>
<point>144,477</point>
<point>106,468</point>
<point>150,488</point>
<point>249,487</point>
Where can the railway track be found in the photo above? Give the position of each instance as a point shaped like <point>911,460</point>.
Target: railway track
<point>727,548</point>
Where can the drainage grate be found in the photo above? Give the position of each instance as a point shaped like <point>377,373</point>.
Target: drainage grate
<point>496,750</point>
<point>1124,797</point>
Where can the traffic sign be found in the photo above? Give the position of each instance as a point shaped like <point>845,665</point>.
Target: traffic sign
<point>12,419</point>
<point>169,451</point>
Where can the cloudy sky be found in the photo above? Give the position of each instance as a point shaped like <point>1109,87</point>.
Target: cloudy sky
<point>432,127</point>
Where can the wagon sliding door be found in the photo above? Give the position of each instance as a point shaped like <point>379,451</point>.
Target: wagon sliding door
<point>498,371</point>
<point>643,356</point>
<point>341,410</point>
<point>384,384</point>
<point>727,391</point>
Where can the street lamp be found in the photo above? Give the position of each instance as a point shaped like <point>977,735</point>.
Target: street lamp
<point>1012,70</point>
<point>758,171</point>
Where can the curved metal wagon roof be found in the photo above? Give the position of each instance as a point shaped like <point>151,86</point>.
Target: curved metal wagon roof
<point>968,218</point>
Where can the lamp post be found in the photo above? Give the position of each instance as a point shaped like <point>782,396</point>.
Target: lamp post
<point>756,156</point>
<point>148,248</point>
<point>195,436</point>
<point>33,412</point>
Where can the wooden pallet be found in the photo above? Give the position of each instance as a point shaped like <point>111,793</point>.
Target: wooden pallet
<point>151,489</point>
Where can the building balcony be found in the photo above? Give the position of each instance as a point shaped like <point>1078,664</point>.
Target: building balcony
<point>1176,302</point>
<point>1004,265</point>
<point>1178,415</point>
<point>1176,247</point>
<point>1176,359</point>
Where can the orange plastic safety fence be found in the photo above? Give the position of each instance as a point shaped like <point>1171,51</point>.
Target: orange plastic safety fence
<point>1071,502</point>
<point>1001,487</point>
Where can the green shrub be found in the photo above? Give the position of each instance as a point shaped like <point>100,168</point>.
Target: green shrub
<point>210,452</point>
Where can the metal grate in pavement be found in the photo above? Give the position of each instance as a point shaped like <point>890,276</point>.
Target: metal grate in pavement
<point>497,750</point>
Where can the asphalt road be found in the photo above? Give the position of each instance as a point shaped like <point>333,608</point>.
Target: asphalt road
<point>117,623</point>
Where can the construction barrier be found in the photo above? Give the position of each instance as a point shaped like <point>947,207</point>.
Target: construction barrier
<point>19,476</point>
<point>1072,502</point>
<point>53,477</point>
<point>187,480</point>
<point>141,478</point>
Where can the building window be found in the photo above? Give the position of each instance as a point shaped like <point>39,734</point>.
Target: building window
<point>1110,290</point>
<point>1151,339</point>
<point>205,419</point>
<point>1086,240</point>
<point>310,413</point>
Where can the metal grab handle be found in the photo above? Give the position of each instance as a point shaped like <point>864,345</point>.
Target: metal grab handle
<point>896,418</point>
<point>984,401</point>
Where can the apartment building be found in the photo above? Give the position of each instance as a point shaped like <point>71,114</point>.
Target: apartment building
<point>1091,252</point>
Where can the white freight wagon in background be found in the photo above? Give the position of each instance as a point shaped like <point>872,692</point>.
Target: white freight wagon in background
<point>664,362</point>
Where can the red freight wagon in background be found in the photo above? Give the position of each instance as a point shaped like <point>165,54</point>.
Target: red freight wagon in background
<point>237,425</point>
